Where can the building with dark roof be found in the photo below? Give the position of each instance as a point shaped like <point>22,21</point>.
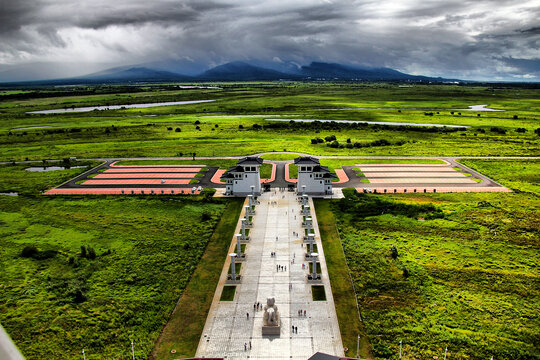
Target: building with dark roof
<point>240,178</point>
<point>313,178</point>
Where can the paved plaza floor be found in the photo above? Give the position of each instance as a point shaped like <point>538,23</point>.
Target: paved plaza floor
<point>228,327</point>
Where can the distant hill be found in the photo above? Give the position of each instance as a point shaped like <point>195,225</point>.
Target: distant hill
<point>241,71</point>
<point>244,71</point>
<point>135,74</point>
<point>330,71</point>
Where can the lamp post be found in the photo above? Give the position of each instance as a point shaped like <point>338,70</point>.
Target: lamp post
<point>132,350</point>
<point>310,239</point>
<point>445,351</point>
<point>358,346</point>
<point>244,229</point>
<point>238,246</point>
<point>314,266</point>
<point>83,356</point>
<point>233,267</point>
<point>400,344</point>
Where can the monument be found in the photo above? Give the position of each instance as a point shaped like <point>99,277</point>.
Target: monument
<point>271,320</point>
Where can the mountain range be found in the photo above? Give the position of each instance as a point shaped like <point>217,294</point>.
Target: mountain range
<point>243,71</point>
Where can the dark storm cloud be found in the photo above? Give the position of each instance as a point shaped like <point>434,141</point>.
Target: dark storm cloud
<point>466,38</point>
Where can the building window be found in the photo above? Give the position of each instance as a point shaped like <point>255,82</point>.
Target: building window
<point>302,168</point>
<point>321,182</point>
<point>245,175</point>
<point>310,175</point>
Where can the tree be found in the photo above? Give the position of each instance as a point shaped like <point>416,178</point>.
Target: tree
<point>83,251</point>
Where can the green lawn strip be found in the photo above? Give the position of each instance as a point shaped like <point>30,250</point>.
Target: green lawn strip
<point>185,326</point>
<point>317,293</point>
<point>266,171</point>
<point>222,163</point>
<point>340,280</point>
<point>228,293</point>
<point>280,156</point>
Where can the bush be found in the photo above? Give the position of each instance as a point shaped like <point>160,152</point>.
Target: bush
<point>206,216</point>
<point>521,130</point>
<point>330,138</point>
<point>177,130</point>
<point>394,252</point>
<point>334,144</point>
<point>197,122</point>
<point>29,251</point>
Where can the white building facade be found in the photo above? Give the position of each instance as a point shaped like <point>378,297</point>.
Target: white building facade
<point>317,179</point>
<point>241,178</point>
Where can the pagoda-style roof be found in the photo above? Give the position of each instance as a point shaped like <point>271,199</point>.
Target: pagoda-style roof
<point>321,169</point>
<point>250,160</point>
<point>229,174</point>
<point>306,160</point>
<point>329,175</point>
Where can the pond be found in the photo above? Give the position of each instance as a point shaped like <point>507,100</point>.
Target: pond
<point>52,168</point>
<point>371,122</point>
<point>9,193</point>
<point>479,108</point>
<point>117,107</point>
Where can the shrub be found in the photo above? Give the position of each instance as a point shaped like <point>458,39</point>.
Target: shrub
<point>394,252</point>
<point>29,251</point>
<point>197,122</point>
<point>330,138</point>
<point>206,216</point>
<point>178,129</point>
<point>91,253</point>
<point>521,130</point>
<point>83,251</point>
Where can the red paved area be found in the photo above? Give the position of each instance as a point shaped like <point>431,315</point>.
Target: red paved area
<point>287,174</point>
<point>135,182</point>
<point>153,170</point>
<point>127,191</point>
<point>145,176</point>
<point>114,165</point>
<point>216,178</point>
<point>406,168</point>
<point>423,180</point>
<point>393,174</point>
<point>342,176</point>
<point>273,176</point>
<point>439,189</point>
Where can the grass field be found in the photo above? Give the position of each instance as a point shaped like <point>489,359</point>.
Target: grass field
<point>208,130</point>
<point>466,277</point>
<point>58,302</point>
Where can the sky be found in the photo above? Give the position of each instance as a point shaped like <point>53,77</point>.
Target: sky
<point>490,40</point>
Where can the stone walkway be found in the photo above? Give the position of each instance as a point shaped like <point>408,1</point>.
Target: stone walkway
<point>227,327</point>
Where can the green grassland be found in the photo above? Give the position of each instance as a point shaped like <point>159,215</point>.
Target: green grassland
<point>57,303</point>
<point>456,270</point>
<point>518,175</point>
<point>152,131</point>
<point>14,178</point>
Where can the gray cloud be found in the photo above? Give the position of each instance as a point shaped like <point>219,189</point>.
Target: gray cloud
<point>478,39</point>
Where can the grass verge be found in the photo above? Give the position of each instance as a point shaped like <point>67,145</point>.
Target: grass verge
<point>228,293</point>
<point>342,287</point>
<point>185,326</point>
<point>317,293</point>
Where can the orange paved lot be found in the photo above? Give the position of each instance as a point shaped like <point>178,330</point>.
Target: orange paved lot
<point>134,182</point>
<point>342,176</point>
<point>120,166</point>
<point>372,168</point>
<point>145,176</point>
<point>216,178</point>
<point>128,191</point>
<point>440,189</point>
<point>153,170</point>
<point>422,181</point>
<point>445,174</point>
